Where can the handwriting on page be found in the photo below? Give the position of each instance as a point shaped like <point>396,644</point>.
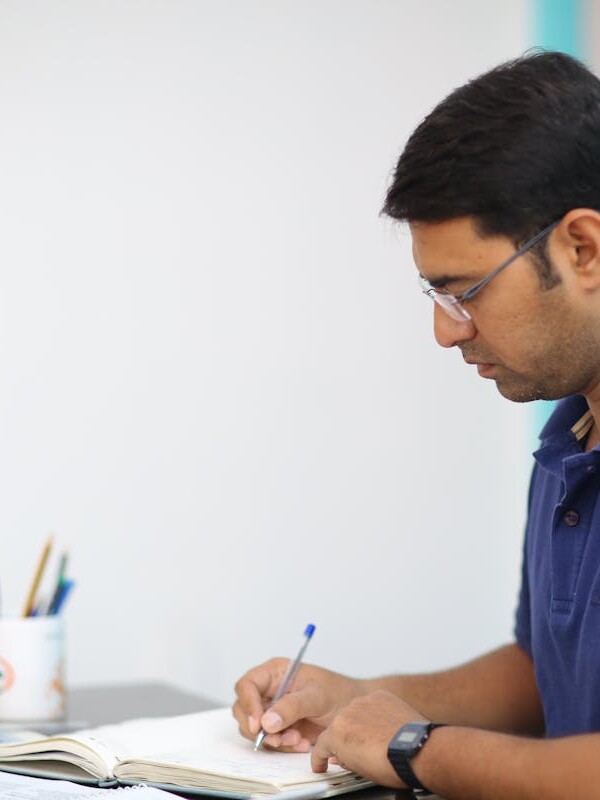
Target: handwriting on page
<point>271,768</point>
<point>208,741</point>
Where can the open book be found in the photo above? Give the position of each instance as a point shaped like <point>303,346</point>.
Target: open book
<point>201,752</point>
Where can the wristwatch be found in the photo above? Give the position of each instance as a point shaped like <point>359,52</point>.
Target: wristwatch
<point>405,745</point>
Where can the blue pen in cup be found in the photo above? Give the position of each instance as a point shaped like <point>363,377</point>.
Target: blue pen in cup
<point>59,600</point>
<point>288,679</point>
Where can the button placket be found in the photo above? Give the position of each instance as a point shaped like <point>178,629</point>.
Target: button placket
<point>570,530</point>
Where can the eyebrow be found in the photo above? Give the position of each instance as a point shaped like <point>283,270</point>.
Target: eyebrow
<point>443,281</point>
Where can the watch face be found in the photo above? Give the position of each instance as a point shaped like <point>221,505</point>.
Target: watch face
<point>407,737</point>
<point>410,735</point>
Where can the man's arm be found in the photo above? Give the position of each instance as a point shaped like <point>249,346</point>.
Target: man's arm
<point>460,762</point>
<point>496,691</point>
<point>470,763</point>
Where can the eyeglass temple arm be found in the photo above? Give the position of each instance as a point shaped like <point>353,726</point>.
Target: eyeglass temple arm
<point>527,246</point>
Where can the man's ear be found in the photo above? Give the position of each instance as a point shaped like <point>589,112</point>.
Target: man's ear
<point>577,254</point>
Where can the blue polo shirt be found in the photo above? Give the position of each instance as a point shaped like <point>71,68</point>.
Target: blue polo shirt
<point>558,616</point>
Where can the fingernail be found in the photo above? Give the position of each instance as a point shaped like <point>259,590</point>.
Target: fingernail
<point>253,724</point>
<point>272,722</point>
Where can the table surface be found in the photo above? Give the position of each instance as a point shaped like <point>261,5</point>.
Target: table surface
<point>111,703</point>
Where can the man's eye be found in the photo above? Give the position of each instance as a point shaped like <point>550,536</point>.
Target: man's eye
<point>448,292</point>
<point>456,292</point>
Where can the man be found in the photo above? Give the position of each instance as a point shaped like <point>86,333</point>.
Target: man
<point>500,185</point>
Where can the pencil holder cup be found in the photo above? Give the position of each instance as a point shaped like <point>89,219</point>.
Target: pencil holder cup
<point>32,669</point>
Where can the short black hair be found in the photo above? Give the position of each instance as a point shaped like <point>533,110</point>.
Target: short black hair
<point>515,148</point>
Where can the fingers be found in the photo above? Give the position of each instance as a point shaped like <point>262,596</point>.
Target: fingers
<point>289,723</point>
<point>296,719</point>
<point>286,721</point>
<point>322,752</point>
<point>245,722</point>
<point>307,702</point>
<point>292,738</point>
<point>254,690</point>
<point>289,741</point>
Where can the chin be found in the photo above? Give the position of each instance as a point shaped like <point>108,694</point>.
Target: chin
<point>527,394</point>
<point>524,394</point>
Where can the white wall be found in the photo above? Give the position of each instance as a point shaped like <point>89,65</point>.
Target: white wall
<point>218,383</point>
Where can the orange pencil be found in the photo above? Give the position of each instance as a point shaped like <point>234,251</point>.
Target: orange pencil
<point>29,604</point>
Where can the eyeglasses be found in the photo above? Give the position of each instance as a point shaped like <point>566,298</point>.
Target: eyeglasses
<point>453,305</point>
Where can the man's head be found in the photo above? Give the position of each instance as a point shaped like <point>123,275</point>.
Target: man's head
<point>498,161</point>
<point>515,149</point>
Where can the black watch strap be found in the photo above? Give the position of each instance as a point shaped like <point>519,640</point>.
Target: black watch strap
<point>404,769</point>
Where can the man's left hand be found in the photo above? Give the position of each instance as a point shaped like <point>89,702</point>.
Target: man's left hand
<point>359,736</point>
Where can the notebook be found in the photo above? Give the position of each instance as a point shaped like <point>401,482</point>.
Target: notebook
<point>202,753</point>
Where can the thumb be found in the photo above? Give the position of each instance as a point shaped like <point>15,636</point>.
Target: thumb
<point>309,702</point>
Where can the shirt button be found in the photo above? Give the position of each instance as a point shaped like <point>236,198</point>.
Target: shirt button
<point>590,468</point>
<point>571,518</point>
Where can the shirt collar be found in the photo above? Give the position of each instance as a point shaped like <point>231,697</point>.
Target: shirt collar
<point>571,418</point>
<point>563,434</point>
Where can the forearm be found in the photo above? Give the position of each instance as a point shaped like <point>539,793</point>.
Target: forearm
<point>496,691</point>
<point>472,764</point>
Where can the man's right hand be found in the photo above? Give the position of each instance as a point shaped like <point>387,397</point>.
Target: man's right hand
<point>296,720</point>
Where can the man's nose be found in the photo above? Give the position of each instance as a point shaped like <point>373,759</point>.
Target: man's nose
<point>449,332</point>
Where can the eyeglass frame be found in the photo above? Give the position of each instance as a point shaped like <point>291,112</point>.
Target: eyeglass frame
<point>453,304</point>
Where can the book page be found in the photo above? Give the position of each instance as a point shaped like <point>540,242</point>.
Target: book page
<point>79,749</point>
<point>209,743</point>
<point>208,738</point>
<point>21,787</point>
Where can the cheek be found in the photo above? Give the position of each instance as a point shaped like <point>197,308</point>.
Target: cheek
<point>536,330</point>
<point>511,336</point>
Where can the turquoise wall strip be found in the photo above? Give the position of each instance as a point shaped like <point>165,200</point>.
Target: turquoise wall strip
<point>556,25</point>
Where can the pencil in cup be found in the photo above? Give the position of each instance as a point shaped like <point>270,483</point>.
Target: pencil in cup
<point>37,578</point>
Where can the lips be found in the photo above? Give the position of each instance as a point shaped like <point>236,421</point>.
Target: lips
<point>484,368</point>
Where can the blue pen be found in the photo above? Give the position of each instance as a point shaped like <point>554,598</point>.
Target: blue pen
<point>65,590</point>
<point>60,579</point>
<point>287,679</point>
